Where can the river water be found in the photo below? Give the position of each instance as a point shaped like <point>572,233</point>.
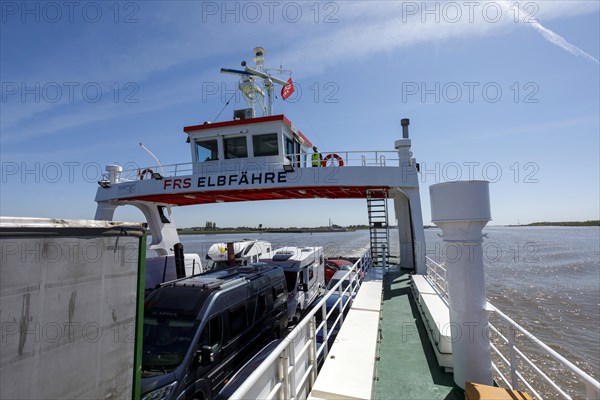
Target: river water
<point>545,278</point>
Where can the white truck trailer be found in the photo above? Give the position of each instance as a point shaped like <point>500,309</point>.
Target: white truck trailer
<point>71,308</point>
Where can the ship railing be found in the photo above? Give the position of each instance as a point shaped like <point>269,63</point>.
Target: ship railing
<point>372,158</point>
<point>360,158</point>
<point>290,371</point>
<point>592,386</point>
<point>165,171</point>
<point>436,273</point>
<point>508,342</point>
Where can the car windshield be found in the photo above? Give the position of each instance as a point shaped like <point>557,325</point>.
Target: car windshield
<point>165,342</point>
<point>334,282</point>
<point>290,278</point>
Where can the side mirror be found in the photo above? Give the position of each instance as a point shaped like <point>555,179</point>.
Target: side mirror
<point>205,355</point>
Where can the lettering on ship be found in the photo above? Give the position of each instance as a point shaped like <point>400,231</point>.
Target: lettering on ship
<point>234,180</point>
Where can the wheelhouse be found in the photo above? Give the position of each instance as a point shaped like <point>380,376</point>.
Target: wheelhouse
<point>243,143</point>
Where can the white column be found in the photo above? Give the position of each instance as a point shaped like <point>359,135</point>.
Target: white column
<point>418,232</point>
<point>105,211</point>
<point>164,234</point>
<point>411,236</point>
<point>461,210</point>
<point>408,207</point>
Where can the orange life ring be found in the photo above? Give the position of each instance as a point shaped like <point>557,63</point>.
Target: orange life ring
<point>144,172</point>
<point>333,159</point>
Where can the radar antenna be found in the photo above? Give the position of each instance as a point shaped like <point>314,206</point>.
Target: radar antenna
<point>250,88</point>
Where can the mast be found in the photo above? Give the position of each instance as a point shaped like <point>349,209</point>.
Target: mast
<point>251,90</point>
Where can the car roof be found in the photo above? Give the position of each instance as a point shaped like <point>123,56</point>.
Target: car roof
<point>340,274</point>
<point>339,262</point>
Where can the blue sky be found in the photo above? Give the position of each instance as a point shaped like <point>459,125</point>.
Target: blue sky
<point>506,91</point>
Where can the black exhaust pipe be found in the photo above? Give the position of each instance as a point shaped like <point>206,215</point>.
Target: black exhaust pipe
<point>179,260</point>
<point>405,122</point>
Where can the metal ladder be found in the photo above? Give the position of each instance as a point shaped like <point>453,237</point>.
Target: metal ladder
<point>378,225</point>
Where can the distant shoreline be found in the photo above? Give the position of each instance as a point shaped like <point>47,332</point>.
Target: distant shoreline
<point>566,223</point>
<point>228,231</point>
<point>265,230</point>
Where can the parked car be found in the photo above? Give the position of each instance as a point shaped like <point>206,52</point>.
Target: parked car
<point>348,279</point>
<point>199,331</point>
<point>334,265</point>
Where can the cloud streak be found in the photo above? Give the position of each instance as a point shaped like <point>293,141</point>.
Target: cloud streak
<point>551,36</point>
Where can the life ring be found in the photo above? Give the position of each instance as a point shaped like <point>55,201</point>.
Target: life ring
<point>144,172</point>
<point>333,159</point>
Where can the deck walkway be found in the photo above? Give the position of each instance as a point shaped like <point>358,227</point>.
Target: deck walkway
<point>407,367</point>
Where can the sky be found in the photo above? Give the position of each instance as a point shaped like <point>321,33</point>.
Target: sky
<point>506,91</point>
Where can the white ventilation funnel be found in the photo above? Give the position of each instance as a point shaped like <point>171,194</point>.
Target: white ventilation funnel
<point>461,209</point>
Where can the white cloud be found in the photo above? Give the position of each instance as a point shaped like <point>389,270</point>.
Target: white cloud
<point>167,38</point>
<point>549,35</point>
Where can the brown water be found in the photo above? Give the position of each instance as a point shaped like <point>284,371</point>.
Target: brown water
<point>548,280</point>
<point>545,278</point>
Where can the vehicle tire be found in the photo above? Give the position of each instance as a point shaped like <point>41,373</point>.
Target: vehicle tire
<point>198,396</point>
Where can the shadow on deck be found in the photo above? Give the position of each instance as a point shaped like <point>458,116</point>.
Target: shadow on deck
<point>408,368</point>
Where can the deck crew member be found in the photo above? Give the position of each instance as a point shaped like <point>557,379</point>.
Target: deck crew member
<point>316,157</point>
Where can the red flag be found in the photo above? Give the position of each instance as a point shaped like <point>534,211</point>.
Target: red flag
<point>287,90</point>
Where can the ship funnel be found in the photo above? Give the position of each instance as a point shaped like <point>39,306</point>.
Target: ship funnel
<point>405,122</point>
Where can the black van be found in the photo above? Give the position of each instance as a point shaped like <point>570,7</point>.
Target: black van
<point>199,331</point>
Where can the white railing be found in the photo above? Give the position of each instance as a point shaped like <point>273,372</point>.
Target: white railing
<point>437,277</point>
<point>290,371</point>
<point>361,158</point>
<point>166,171</point>
<point>348,158</point>
<point>592,386</point>
<point>436,273</point>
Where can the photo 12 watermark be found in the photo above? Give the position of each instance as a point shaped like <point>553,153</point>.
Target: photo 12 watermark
<point>69,92</point>
<point>470,92</point>
<point>66,252</point>
<point>253,12</point>
<point>64,332</point>
<point>57,172</point>
<point>526,172</point>
<point>316,92</point>
<point>53,12</point>
<point>454,12</point>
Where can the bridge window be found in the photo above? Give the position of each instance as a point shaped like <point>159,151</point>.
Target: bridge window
<point>292,148</point>
<point>236,147</point>
<point>207,150</point>
<point>265,145</point>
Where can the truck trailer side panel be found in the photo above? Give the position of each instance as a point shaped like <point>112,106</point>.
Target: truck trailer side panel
<point>68,307</point>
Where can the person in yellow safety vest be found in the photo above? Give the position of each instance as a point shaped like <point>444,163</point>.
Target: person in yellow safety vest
<point>316,157</point>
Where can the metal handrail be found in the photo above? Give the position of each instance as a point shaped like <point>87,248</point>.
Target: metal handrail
<point>592,386</point>
<point>285,384</point>
<point>369,158</point>
<point>439,277</point>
